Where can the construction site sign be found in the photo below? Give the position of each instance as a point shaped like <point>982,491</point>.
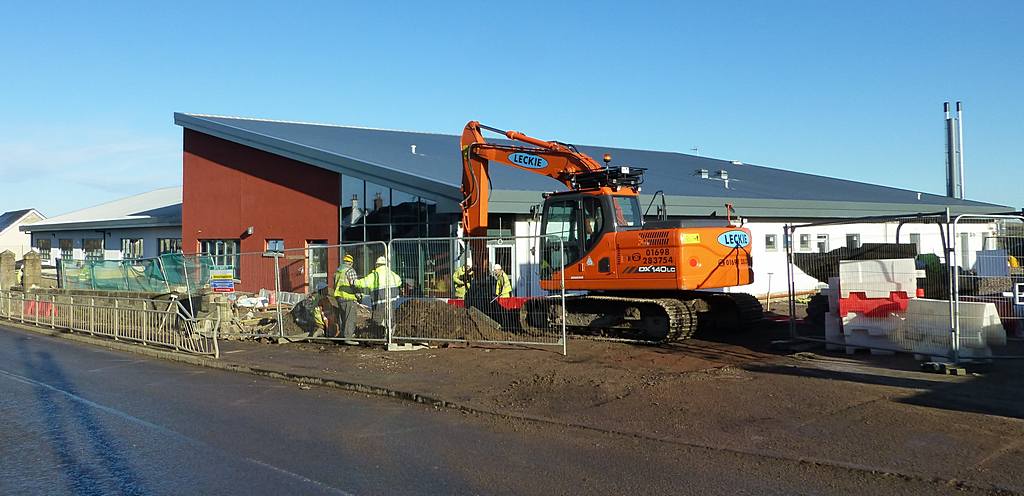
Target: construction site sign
<point>222,279</point>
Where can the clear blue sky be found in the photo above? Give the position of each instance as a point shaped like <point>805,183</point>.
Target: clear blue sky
<point>846,89</point>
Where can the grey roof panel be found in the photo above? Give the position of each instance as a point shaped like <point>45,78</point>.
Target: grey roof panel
<point>436,159</point>
<point>161,207</point>
<point>8,218</point>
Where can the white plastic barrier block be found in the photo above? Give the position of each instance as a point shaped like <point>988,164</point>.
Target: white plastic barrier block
<point>927,328</point>
<point>833,332</point>
<point>878,278</point>
<point>873,332</point>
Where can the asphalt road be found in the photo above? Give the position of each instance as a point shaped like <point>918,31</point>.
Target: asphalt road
<point>76,419</point>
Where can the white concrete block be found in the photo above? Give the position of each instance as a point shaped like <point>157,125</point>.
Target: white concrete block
<point>878,278</point>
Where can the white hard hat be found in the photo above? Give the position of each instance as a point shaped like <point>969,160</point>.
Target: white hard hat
<point>382,261</point>
<point>497,266</point>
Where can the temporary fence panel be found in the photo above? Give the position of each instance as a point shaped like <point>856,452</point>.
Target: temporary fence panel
<point>168,273</point>
<point>989,304</point>
<point>445,297</point>
<point>881,284</point>
<point>163,322</point>
<point>293,291</point>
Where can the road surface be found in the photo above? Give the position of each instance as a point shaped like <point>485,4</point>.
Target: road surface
<point>84,420</point>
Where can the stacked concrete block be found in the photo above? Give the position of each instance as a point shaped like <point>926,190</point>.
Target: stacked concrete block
<point>8,277</point>
<point>32,271</point>
<point>879,278</point>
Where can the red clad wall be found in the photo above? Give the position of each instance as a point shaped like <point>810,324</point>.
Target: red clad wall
<point>228,187</point>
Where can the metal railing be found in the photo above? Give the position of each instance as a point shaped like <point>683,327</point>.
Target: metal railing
<point>165,323</point>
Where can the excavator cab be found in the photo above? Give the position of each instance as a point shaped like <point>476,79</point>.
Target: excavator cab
<point>580,221</point>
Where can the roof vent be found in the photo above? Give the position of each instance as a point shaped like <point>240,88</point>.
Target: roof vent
<point>704,173</point>
<point>412,148</point>
<point>737,162</point>
<point>723,174</point>
<point>919,196</point>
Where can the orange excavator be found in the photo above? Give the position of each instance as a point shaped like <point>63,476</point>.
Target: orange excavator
<point>659,281</point>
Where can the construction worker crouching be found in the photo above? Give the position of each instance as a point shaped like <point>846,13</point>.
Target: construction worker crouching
<point>382,283</point>
<point>347,296</point>
<point>502,285</point>
<point>461,280</point>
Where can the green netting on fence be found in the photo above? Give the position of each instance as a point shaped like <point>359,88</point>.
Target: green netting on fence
<point>173,272</point>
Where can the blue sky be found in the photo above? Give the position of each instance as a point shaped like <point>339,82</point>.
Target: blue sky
<point>846,89</point>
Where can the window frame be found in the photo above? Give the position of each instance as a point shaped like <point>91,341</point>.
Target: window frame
<point>173,243</point>
<point>47,253</point>
<point>222,255</point>
<point>90,253</point>
<point>771,242</point>
<point>130,250</point>
<point>273,241</point>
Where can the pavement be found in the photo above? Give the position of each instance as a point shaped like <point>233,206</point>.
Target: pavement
<point>874,418</point>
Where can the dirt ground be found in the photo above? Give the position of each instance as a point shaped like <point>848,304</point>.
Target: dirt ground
<point>438,319</point>
<point>730,392</point>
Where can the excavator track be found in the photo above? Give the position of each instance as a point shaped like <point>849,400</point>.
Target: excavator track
<point>659,320</point>
<point>663,319</point>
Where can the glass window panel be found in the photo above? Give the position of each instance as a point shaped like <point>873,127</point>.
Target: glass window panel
<point>93,249</point>
<point>169,245</point>
<point>67,249</point>
<point>131,248</point>
<point>352,195</point>
<point>44,246</point>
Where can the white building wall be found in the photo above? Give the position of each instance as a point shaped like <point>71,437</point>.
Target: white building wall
<point>112,240</point>
<point>13,239</point>
<point>770,264</point>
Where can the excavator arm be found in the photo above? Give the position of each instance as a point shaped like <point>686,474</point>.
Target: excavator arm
<point>559,161</point>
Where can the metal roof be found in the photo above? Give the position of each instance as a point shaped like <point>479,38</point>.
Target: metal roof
<point>157,208</point>
<point>7,219</point>
<point>428,164</point>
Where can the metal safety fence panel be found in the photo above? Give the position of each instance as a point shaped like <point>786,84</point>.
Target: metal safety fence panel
<point>989,292</point>
<point>291,293</point>
<point>511,297</point>
<point>163,322</point>
<point>879,284</point>
<point>168,273</point>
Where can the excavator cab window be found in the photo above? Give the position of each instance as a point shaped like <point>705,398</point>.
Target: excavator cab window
<point>579,222</point>
<point>562,223</point>
<point>627,212</point>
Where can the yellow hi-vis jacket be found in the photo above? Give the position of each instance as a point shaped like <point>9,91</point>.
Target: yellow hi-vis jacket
<point>345,283</point>
<point>503,285</point>
<point>461,284</point>
<point>379,280</point>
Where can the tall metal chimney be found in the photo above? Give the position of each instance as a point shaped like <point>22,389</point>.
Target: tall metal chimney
<point>960,146</point>
<point>952,174</point>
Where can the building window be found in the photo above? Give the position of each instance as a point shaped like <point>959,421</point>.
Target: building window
<point>275,245</point>
<point>915,239</point>
<point>93,249</point>
<point>822,243</point>
<point>853,241</point>
<point>67,249</point>
<point>131,248</point>
<point>169,245</point>
<point>805,242</point>
<point>770,242</point>
<point>44,246</point>
<point>223,251</point>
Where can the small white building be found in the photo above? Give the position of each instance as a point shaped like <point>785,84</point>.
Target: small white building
<point>12,238</point>
<point>139,226</point>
